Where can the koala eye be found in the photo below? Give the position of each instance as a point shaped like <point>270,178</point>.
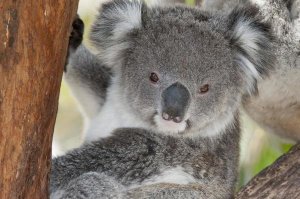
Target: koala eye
<point>204,89</point>
<point>154,77</point>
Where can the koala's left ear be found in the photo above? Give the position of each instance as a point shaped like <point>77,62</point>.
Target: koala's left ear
<point>109,32</point>
<point>251,40</point>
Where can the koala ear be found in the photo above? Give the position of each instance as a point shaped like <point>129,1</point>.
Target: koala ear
<point>251,40</point>
<point>110,30</point>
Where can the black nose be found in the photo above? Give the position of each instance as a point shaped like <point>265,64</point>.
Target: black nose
<point>175,102</point>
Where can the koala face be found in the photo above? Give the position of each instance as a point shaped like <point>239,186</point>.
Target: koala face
<point>180,70</point>
<point>180,79</point>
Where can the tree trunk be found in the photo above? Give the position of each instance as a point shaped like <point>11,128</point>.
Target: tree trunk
<point>33,45</point>
<point>280,180</point>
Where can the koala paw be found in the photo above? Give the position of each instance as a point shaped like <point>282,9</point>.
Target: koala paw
<point>77,33</point>
<point>75,39</point>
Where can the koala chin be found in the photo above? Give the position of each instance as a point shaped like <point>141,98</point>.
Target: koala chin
<point>161,93</point>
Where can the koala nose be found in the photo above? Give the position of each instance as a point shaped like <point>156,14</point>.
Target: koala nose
<point>175,101</point>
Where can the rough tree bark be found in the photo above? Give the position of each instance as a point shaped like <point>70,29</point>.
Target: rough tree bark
<point>33,44</point>
<point>280,180</point>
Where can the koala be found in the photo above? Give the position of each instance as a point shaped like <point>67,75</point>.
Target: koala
<point>92,78</point>
<point>277,106</point>
<point>162,89</point>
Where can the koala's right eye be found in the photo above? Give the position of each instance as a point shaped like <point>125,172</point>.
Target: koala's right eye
<point>154,77</point>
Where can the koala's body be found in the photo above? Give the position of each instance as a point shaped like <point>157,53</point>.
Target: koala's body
<point>162,95</point>
<point>132,159</point>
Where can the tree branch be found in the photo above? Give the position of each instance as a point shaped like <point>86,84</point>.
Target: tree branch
<point>280,180</point>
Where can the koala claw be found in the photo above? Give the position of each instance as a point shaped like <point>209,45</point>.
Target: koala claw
<point>76,37</point>
<point>77,33</point>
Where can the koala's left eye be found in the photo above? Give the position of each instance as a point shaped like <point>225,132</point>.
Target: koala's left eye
<point>153,77</point>
<point>204,89</point>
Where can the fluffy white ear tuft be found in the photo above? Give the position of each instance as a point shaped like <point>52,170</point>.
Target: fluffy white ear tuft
<point>252,43</point>
<point>109,32</point>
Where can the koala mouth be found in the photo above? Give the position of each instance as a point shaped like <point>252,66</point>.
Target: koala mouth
<point>170,127</point>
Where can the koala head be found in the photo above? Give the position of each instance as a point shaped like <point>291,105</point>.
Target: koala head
<point>181,70</point>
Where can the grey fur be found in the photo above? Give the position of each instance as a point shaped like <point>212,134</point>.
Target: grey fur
<point>277,107</point>
<point>92,185</point>
<point>221,5</point>
<point>205,46</point>
<point>131,156</point>
<point>86,71</point>
<point>195,159</point>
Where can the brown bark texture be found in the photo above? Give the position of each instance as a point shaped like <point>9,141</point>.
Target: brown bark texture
<point>33,44</point>
<point>278,181</point>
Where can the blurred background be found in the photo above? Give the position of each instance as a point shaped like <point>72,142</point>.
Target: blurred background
<point>258,148</point>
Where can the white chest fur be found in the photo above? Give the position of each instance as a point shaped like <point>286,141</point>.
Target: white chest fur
<point>114,114</point>
<point>175,175</point>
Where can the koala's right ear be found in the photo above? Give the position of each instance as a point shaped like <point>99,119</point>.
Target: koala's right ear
<point>109,32</point>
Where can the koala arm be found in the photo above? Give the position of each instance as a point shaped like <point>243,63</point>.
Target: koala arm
<point>129,156</point>
<point>90,185</point>
<point>105,155</point>
<point>88,79</point>
<point>86,75</point>
<point>177,191</point>
<point>98,185</point>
